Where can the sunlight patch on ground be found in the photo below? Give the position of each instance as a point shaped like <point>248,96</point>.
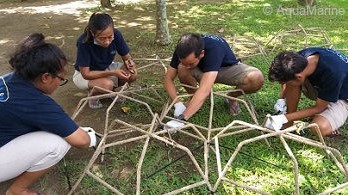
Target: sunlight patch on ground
<point>128,1</point>
<point>132,24</point>
<point>2,41</point>
<point>73,8</point>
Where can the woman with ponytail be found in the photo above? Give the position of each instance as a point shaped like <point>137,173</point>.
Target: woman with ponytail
<point>96,50</point>
<point>35,132</point>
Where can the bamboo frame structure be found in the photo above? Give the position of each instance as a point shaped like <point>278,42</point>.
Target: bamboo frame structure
<point>306,32</point>
<point>154,130</point>
<point>283,135</point>
<point>243,43</point>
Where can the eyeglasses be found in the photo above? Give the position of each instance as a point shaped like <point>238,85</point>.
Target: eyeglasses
<point>63,81</point>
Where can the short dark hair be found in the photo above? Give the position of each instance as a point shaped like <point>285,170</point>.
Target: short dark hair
<point>285,65</point>
<point>34,57</point>
<point>188,43</point>
<point>97,22</point>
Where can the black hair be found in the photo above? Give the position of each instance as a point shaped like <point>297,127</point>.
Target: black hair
<point>97,22</point>
<point>286,65</point>
<point>188,43</point>
<point>34,57</point>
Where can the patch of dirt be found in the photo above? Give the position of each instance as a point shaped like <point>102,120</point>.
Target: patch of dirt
<point>62,21</point>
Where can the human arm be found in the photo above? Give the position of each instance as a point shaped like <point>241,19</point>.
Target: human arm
<point>79,138</point>
<point>179,106</point>
<point>129,63</point>
<point>319,106</point>
<point>292,94</point>
<point>198,98</point>
<point>277,121</point>
<point>280,106</point>
<point>169,83</point>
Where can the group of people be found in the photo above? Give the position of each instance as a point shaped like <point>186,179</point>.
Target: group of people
<point>36,133</point>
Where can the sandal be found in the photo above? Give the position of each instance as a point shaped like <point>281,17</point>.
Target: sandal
<point>233,108</point>
<point>95,104</point>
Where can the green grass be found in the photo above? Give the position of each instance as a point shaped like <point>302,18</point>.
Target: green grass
<point>268,168</point>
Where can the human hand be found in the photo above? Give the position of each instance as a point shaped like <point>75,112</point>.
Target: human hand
<point>280,106</point>
<point>130,65</point>
<point>179,109</point>
<point>92,136</point>
<point>276,122</point>
<point>122,74</point>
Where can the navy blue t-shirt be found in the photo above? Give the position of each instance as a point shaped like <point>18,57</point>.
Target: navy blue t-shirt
<point>24,109</point>
<point>97,57</point>
<point>217,54</point>
<point>331,75</point>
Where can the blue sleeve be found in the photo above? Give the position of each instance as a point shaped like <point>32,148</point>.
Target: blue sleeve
<point>308,52</point>
<point>175,61</point>
<point>83,55</point>
<point>121,45</point>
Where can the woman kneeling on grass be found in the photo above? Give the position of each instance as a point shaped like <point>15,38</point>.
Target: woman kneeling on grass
<point>35,132</point>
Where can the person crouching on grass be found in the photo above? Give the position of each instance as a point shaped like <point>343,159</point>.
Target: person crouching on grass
<point>96,50</point>
<point>322,75</point>
<point>35,132</point>
<point>203,60</point>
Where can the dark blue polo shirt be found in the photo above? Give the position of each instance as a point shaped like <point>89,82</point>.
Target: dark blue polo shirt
<point>24,109</point>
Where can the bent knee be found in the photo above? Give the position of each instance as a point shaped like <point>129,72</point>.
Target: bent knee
<point>324,125</point>
<point>51,153</point>
<point>104,83</point>
<point>254,80</point>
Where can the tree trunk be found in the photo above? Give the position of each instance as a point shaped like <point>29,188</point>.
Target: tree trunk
<point>162,30</point>
<point>105,3</point>
<point>306,2</point>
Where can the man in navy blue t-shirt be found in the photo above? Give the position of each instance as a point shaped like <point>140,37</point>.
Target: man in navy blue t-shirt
<point>207,59</point>
<point>322,74</point>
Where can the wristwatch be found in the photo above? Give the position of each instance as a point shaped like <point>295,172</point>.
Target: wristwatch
<point>181,117</point>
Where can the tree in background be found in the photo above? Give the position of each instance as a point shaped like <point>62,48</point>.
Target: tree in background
<point>162,30</point>
<point>105,3</point>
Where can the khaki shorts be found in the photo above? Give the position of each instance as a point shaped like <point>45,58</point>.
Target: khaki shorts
<point>336,112</point>
<point>82,83</point>
<point>29,153</point>
<point>231,75</point>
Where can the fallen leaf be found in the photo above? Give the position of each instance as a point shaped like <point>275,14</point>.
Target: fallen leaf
<point>45,26</point>
<point>125,109</point>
